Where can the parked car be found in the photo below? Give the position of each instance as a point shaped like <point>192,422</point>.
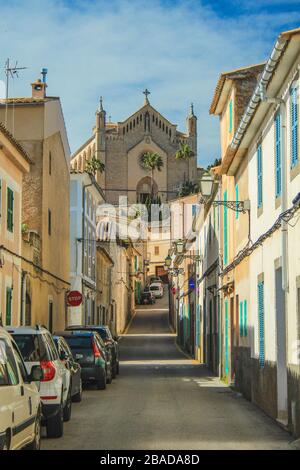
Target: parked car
<point>155,280</point>
<point>111,344</point>
<point>20,404</point>
<point>157,290</point>
<point>66,356</point>
<point>37,348</point>
<point>147,298</point>
<point>92,356</point>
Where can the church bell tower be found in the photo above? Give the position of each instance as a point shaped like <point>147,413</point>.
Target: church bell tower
<point>100,138</point>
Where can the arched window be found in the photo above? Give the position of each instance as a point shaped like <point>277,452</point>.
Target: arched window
<point>134,123</point>
<point>137,120</point>
<point>130,125</point>
<point>127,128</point>
<point>163,126</point>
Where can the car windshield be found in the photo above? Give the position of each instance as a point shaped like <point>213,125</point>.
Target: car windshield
<point>154,287</point>
<point>31,348</point>
<point>79,342</point>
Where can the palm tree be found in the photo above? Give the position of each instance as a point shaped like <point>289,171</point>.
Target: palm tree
<point>94,165</point>
<point>184,153</point>
<point>187,188</point>
<point>152,161</point>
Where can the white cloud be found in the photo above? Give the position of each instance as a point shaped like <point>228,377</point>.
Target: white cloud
<point>118,48</point>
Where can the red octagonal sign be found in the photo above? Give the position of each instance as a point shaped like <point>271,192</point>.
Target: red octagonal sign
<point>74,298</point>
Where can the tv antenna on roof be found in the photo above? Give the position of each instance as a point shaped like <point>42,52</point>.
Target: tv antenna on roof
<point>10,72</point>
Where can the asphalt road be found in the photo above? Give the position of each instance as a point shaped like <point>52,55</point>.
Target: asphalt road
<point>163,400</point>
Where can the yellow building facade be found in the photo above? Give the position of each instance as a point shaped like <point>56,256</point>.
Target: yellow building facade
<point>14,164</point>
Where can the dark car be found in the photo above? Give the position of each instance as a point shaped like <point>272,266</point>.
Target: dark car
<point>111,343</point>
<point>147,298</point>
<point>66,356</point>
<point>89,351</point>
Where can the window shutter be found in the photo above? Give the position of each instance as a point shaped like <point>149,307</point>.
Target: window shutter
<point>245,318</point>
<point>8,305</point>
<point>277,154</point>
<point>10,210</point>
<point>261,324</point>
<point>241,320</point>
<point>236,200</point>
<point>259,177</point>
<point>294,125</point>
<point>225,234</point>
<point>226,339</point>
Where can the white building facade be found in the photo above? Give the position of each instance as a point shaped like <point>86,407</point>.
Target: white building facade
<point>86,195</point>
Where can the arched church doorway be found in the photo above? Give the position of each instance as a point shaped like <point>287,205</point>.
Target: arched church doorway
<point>145,188</point>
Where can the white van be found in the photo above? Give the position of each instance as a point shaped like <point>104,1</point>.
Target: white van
<point>20,410</point>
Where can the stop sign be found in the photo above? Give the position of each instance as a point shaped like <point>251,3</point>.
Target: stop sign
<point>74,298</point>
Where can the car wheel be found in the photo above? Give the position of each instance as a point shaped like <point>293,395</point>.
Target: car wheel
<point>68,406</point>
<point>5,444</point>
<point>109,377</point>
<point>55,425</point>
<point>114,371</point>
<point>101,383</point>
<point>36,443</point>
<point>78,396</point>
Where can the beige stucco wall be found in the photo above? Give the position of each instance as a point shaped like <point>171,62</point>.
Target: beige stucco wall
<point>40,132</point>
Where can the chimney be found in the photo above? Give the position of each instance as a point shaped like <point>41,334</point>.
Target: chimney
<point>39,89</point>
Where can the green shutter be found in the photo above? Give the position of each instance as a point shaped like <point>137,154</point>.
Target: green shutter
<point>10,210</point>
<point>245,318</point>
<point>226,339</point>
<point>277,154</point>
<point>261,324</point>
<point>8,305</point>
<point>225,234</point>
<point>294,125</point>
<point>241,320</point>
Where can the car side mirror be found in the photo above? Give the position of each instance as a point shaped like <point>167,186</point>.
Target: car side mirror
<point>36,374</point>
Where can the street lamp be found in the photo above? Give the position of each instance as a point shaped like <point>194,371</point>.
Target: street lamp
<point>168,261</point>
<point>206,184</point>
<point>179,247</point>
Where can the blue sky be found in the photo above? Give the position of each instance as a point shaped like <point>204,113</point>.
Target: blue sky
<point>116,48</point>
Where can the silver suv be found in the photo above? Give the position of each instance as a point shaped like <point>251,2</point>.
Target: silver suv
<point>37,347</point>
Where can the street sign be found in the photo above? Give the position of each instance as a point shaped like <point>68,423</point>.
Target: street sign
<point>191,283</point>
<point>74,298</point>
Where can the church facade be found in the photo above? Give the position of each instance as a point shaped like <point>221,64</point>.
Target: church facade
<point>121,146</point>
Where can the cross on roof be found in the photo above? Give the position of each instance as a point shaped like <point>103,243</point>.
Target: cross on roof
<point>146,93</point>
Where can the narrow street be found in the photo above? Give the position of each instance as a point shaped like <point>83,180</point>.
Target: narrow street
<point>163,400</point>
